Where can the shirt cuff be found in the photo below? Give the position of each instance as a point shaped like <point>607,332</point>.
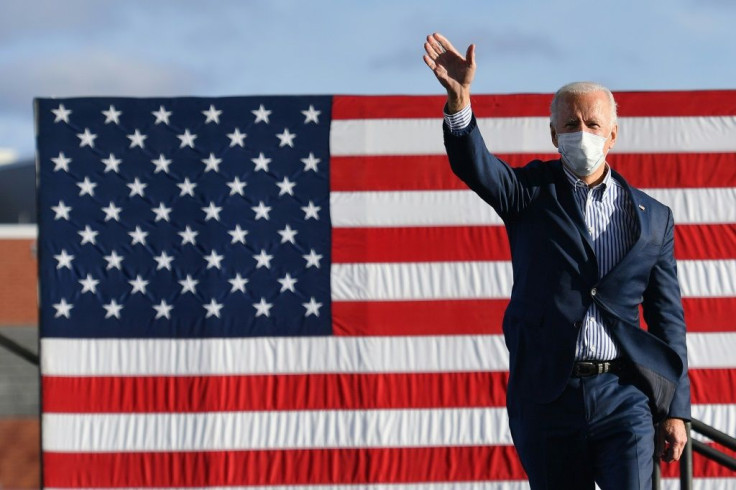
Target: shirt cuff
<point>460,120</point>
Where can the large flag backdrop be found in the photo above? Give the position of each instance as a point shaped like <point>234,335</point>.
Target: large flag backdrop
<point>274,292</point>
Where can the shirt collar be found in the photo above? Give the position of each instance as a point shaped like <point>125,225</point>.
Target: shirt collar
<point>577,182</point>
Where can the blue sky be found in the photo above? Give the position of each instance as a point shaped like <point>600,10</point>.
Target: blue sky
<point>229,47</point>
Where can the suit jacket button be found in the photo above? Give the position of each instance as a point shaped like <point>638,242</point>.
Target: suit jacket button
<point>593,292</point>
<point>577,324</point>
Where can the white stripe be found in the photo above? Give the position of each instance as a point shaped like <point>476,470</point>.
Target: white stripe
<point>264,355</point>
<point>213,431</point>
<point>711,350</point>
<point>441,208</point>
<point>410,208</point>
<point>667,484</point>
<point>182,357</point>
<point>18,232</point>
<point>531,135</point>
<point>421,281</point>
<point>489,279</point>
<point>707,278</point>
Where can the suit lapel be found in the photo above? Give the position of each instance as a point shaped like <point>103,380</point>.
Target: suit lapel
<point>567,200</point>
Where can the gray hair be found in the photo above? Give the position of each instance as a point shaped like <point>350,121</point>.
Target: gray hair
<point>580,88</point>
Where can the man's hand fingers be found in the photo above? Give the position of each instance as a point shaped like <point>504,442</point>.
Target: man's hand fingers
<point>433,48</point>
<point>444,43</point>
<point>470,55</point>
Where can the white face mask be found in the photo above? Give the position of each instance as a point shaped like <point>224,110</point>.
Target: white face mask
<point>582,152</point>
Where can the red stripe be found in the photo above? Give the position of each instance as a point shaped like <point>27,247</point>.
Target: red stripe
<point>710,314</point>
<point>441,317</point>
<point>146,394</point>
<point>284,467</point>
<point>419,244</point>
<point>194,394</point>
<point>432,172</point>
<point>484,316</point>
<point>472,243</point>
<point>630,104</point>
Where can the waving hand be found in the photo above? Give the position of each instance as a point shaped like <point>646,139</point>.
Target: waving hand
<point>453,71</point>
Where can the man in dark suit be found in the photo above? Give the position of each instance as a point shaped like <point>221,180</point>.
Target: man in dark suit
<point>587,385</point>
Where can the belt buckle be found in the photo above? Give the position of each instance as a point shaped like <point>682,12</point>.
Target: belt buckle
<point>584,369</point>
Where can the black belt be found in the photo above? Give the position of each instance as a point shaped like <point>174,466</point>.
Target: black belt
<point>582,369</point>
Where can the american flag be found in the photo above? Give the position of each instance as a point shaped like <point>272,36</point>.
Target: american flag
<point>276,292</point>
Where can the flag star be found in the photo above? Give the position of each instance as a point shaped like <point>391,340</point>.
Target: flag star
<point>112,212</point>
<point>188,236</point>
<point>86,187</point>
<point>312,307</point>
<point>162,212</point>
<point>86,138</point>
<point>163,310</point>
<point>262,308</point>
<point>212,212</point>
<point>113,260</point>
<point>189,285</point>
<point>111,163</point>
<point>238,283</point>
<point>62,114</point>
<point>136,188</point>
<point>137,139</point>
<point>162,115</point>
<point>238,235</point>
<point>261,114</point>
<point>312,259</point>
<point>212,114</point>
<point>261,210</point>
<point>236,138</point>
<point>287,283</point>
<point>310,163</point>
<point>261,162</point>
<point>62,307</point>
<point>64,259</point>
<point>138,236</point>
<point>89,284</point>
<point>236,186</point>
<point>287,235</point>
<point>311,115</point>
<point>88,235</point>
<point>213,308</point>
<point>287,138</point>
<point>163,261</point>
<point>213,260</point>
<point>311,211</point>
<point>187,187</point>
<point>112,115</point>
<point>263,260</point>
<point>286,187</point>
<point>162,164</point>
<point>212,163</point>
<point>61,162</point>
<point>187,139</point>
<point>138,284</point>
<point>112,309</point>
<point>61,210</point>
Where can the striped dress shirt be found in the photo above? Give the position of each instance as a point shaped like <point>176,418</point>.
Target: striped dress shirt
<point>612,224</point>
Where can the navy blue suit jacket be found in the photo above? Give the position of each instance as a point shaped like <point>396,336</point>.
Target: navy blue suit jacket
<point>556,279</point>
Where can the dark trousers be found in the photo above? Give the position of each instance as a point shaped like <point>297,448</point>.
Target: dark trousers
<point>598,431</point>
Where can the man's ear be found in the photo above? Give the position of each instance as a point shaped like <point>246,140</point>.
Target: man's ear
<point>553,134</point>
<point>614,135</point>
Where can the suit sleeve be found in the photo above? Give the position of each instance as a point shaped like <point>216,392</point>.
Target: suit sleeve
<point>504,188</point>
<point>664,315</point>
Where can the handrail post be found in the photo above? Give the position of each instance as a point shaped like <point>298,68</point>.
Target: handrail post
<point>686,461</point>
<point>656,475</point>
